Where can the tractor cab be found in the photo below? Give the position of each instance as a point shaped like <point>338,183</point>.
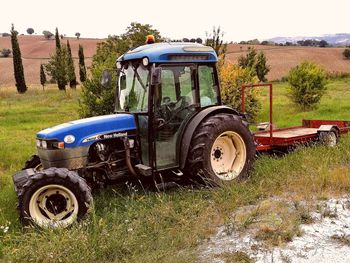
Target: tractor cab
<point>164,86</point>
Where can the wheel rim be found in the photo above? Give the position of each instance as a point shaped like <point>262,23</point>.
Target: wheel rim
<point>228,155</point>
<point>331,139</point>
<point>53,206</point>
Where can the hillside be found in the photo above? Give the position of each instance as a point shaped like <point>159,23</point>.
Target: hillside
<point>283,58</point>
<point>36,50</point>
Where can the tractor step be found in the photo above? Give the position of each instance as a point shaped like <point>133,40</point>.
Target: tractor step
<point>144,169</point>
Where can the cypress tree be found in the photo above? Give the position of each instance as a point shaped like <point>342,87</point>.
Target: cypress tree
<point>58,41</point>
<point>42,76</point>
<point>17,63</point>
<point>58,64</point>
<point>70,68</point>
<point>82,68</point>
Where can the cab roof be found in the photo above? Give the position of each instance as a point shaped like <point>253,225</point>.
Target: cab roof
<point>172,52</point>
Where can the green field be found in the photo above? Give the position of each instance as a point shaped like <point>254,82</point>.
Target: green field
<point>130,224</point>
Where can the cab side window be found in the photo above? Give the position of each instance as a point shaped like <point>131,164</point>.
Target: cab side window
<point>208,89</point>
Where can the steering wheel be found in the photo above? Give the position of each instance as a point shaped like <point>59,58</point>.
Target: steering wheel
<point>171,109</point>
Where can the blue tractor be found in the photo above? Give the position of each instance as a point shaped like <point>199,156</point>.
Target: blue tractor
<point>168,123</point>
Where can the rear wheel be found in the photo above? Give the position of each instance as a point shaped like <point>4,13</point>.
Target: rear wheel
<point>55,197</point>
<point>329,138</point>
<point>222,150</point>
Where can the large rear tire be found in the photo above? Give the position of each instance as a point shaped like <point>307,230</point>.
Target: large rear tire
<point>222,150</point>
<point>55,198</point>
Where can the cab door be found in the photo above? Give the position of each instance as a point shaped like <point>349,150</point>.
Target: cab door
<point>175,101</point>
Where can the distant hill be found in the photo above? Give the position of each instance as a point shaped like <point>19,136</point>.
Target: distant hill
<point>341,39</point>
<point>36,50</point>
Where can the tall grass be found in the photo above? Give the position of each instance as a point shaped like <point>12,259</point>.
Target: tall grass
<point>129,224</point>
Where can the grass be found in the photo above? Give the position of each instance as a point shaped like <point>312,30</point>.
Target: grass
<point>129,224</point>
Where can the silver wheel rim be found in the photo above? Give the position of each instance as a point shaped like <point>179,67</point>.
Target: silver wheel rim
<point>228,155</point>
<point>53,206</point>
<point>330,139</point>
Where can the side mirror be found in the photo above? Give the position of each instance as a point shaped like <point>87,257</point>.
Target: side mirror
<point>106,78</point>
<point>156,76</point>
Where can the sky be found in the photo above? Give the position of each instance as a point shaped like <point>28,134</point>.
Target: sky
<point>240,20</point>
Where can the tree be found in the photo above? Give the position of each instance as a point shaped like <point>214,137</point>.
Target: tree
<point>58,41</point>
<point>17,63</point>
<point>5,52</point>
<point>185,39</point>
<point>30,30</point>
<point>193,40</point>
<point>82,68</point>
<point>47,34</point>
<point>136,34</point>
<point>77,35</point>
<point>70,68</point>
<point>232,77</point>
<point>255,63</point>
<point>57,68</point>
<point>98,100</point>
<point>308,84</point>
<point>261,67</point>
<point>199,40</point>
<point>215,40</point>
<point>346,53</point>
<point>323,43</point>
<point>57,65</point>
<point>42,76</point>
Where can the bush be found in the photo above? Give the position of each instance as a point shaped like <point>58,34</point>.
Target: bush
<point>308,84</point>
<point>47,34</point>
<point>346,53</point>
<point>232,77</point>
<point>6,34</point>
<point>5,52</point>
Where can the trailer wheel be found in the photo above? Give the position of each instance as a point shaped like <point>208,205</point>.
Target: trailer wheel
<point>329,138</point>
<point>222,150</point>
<point>55,198</point>
<point>33,162</point>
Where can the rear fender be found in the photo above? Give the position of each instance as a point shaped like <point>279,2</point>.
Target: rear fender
<point>185,139</point>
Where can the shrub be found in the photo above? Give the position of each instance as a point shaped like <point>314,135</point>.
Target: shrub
<point>6,34</point>
<point>232,77</point>
<point>346,53</point>
<point>47,34</point>
<point>5,52</point>
<point>308,84</point>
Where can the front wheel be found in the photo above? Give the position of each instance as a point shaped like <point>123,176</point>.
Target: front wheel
<point>55,198</point>
<point>222,150</point>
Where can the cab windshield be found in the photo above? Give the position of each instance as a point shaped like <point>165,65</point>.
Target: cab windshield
<point>133,86</point>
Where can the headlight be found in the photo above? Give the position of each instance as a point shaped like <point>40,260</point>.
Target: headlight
<point>44,144</point>
<point>37,143</point>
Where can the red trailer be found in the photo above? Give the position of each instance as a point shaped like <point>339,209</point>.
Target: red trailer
<point>270,138</point>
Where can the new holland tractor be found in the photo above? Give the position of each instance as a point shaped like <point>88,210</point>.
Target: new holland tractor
<point>168,122</point>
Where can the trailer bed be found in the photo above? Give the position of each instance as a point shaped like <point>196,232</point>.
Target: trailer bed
<point>290,133</point>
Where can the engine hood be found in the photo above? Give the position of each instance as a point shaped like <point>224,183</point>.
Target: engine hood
<point>87,131</point>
